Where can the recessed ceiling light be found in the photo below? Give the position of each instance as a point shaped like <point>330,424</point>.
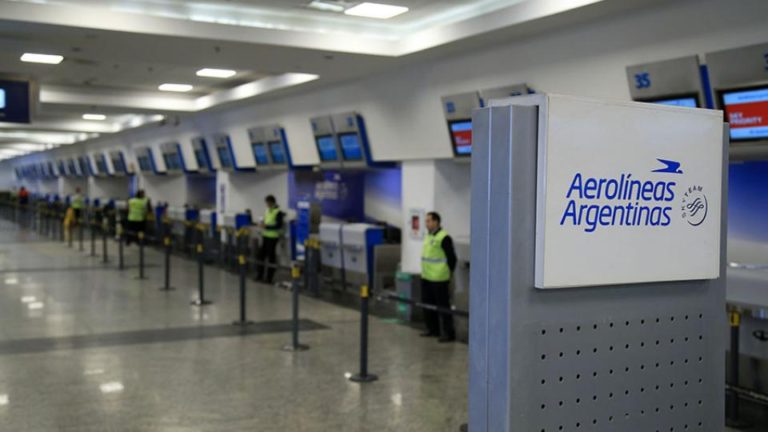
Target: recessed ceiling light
<point>41,58</point>
<point>326,6</point>
<point>94,117</point>
<point>216,73</point>
<point>376,10</point>
<point>175,87</point>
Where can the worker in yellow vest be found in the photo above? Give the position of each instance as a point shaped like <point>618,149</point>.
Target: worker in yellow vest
<point>138,209</point>
<point>77,203</point>
<point>271,231</point>
<point>438,260</point>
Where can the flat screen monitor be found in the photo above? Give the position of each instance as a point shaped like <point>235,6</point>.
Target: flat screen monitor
<point>62,168</point>
<point>172,161</point>
<point>51,169</point>
<point>747,112</point>
<point>101,164</point>
<point>326,148</point>
<point>72,167</point>
<point>118,163</point>
<point>14,101</point>
<point>224,156</point>
<point>277,150</point>
<point>201,156</point>
<point>689,101</point>
<point>260,153</point>
<point>350,146</point>
<point>461,136</point>
<point>85,166</point>
<point>145,165</point>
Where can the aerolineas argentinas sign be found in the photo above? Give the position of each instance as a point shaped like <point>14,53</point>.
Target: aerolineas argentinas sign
<point>627,193</point>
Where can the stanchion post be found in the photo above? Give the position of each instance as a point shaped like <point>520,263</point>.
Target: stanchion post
<point>120,245</point>
<point>242,263</point>
<point>92,224</point>
<point>80,235</point>
<point>363,376</point>
<point>141,255</point>
<point>201,300</point>
<point>69,234</point>
<point>295,345</point>
<point>167,245</point>
<point>62,235</point>
<point>104,234</point>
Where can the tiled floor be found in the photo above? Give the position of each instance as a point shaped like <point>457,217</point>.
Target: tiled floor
<point>84,347</point>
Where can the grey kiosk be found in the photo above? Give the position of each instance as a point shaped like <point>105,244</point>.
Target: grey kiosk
<point>587,324</point>
<point>270,147</point>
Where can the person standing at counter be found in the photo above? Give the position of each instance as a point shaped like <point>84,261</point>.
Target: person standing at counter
<point>272,229</point>
<point>77,203</point>
<point>138,209</point>
<point>438,261</point>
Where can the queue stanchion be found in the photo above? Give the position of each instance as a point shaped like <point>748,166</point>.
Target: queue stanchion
<point>80,235</point>
<point>69,232</point>
<point>167,243</point>
<point>363,376</point>
<point>104,234</point>
<point>242,263</point>
<point>92,225</point>
<point>120,245</point>
<point>62,231</point>
<point>141,255</point>
<point>295,345</point>
<point>201,300</point>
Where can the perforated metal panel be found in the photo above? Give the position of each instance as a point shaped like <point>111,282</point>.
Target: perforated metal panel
<point>630,358</point>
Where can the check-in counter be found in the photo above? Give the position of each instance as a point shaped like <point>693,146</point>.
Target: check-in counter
<point>330,249</point>
<point>358,241</point>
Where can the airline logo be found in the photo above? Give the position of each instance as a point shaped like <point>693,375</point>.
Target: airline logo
<point>629,200</point>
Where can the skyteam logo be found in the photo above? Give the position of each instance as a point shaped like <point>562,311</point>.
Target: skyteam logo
<point>695,206</point>
<point>630,200</point>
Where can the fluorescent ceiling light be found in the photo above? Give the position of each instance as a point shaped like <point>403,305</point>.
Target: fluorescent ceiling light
<point>41,58</point>
<point>175,87</point>
<point>94,117</point>
<point>216,73</point>
<point>376,10</point>
<point>326,6</point>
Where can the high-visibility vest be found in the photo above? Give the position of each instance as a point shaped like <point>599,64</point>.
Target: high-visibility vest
<point>78,202</point>
<point>137,209</point>
<point>434,262</point>
<point>270,218</point>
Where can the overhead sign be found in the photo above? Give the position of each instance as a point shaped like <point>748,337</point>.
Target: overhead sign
<point>627,193</point>
<point>14,101</point>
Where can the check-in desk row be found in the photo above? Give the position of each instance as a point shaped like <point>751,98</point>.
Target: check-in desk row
<point>355,254</point>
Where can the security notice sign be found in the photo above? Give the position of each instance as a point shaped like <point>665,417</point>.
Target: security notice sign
<point>626,193</point>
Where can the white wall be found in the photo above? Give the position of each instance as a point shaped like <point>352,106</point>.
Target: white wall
<point>106,188</point>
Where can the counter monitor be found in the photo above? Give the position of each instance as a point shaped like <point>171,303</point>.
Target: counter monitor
<point>350,146</point>
<point>326,147</point>
<point>224,157</point>
<point>747,112</point>
<point>461,136</point>
<point>260,153</point>
<point>277,150</point>
<point>172,161</point>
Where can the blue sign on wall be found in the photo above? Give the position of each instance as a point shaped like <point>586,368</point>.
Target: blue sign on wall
<point>340,194</point>
<point>748,201</point>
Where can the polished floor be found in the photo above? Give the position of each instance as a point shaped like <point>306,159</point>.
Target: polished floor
<point>85,347</point>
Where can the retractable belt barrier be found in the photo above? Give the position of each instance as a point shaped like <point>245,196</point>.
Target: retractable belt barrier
<point>167,246</point>
<point>200,250</point>
<point>295,345</point>
<point>242,239</point>
<point>420,305</point>
<point>363,376</point>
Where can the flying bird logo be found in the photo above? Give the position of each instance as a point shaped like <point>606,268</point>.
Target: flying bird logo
<point>671,167</point>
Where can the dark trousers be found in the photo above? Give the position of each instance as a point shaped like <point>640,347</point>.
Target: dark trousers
<point>132,229</point>
<point>438,294</point>
<point>267,253</point>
